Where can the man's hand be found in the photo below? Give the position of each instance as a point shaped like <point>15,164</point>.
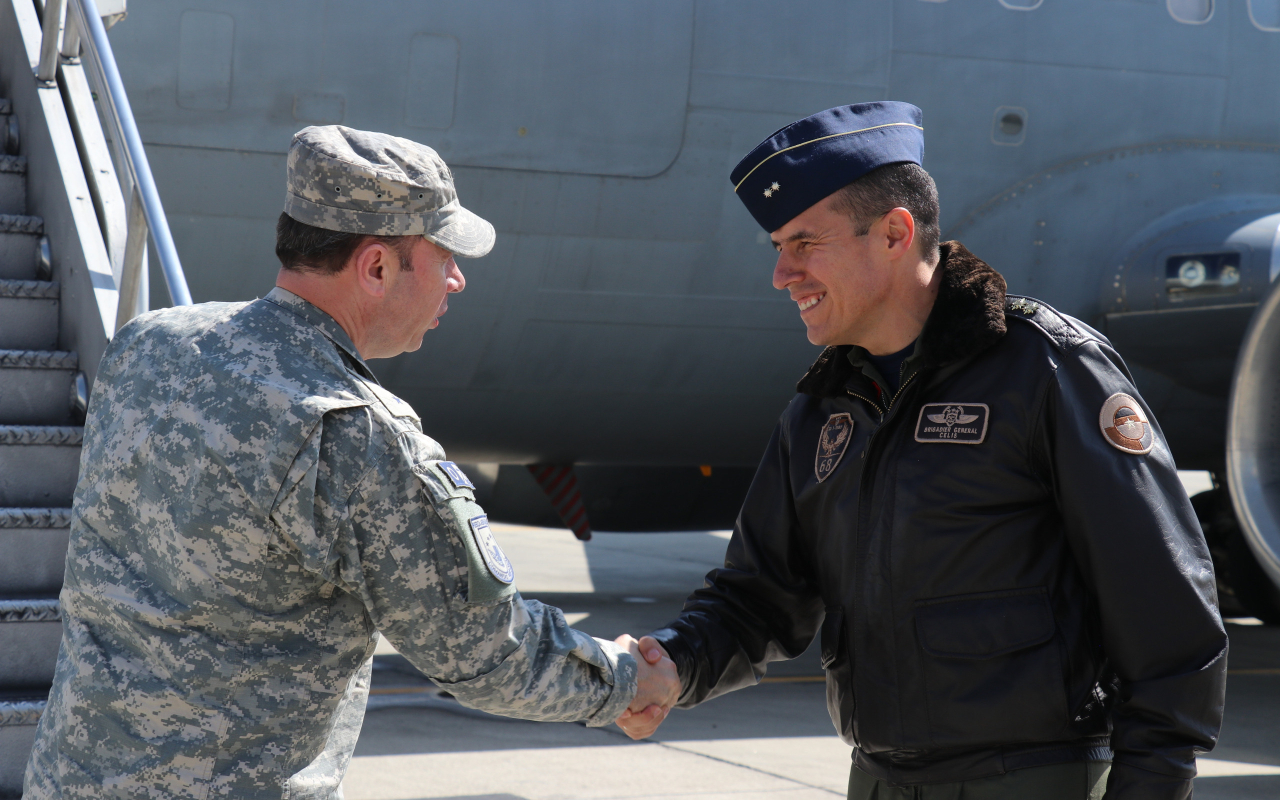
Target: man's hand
<point>658,687</point>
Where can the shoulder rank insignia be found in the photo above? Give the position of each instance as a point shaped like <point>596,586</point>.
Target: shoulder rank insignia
<point>832,443</point>
<point>456,476</point>
<point>954,423</point>
<point>1023,306</point>
<point>496,560</point>
<point>1125,426</point>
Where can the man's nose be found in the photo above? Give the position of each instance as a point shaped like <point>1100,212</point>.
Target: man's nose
<point>785,272</point>
<point>456,280</point>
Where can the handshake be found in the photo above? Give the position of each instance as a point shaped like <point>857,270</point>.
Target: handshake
<point>657,686</point>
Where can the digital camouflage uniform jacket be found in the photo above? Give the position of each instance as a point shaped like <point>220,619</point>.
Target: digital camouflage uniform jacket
<point>252,509</point>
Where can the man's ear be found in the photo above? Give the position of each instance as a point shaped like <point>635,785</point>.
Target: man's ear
<point>372,262</point>
<point>899,232</point>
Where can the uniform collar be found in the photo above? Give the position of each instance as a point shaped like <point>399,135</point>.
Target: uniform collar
<point>967,318</point>
<point>326,324</point>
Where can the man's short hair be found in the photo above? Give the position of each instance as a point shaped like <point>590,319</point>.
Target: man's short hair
<point>306,248</point>
<point>893,186</point>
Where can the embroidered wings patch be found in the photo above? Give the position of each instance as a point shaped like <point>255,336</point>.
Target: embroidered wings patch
<point>953,423</point>
<point>832,443</point>
<point>1125,425</point>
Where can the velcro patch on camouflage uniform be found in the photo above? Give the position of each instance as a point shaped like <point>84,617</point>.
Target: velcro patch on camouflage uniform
<point>456,475</point>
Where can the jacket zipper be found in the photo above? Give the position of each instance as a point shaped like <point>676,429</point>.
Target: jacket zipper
<point>864,515</point>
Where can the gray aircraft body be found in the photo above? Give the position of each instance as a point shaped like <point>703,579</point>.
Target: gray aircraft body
<point>1118,159</point>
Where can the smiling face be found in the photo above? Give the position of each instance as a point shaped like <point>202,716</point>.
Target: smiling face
<point>840,281</point>
<point>418,297</point>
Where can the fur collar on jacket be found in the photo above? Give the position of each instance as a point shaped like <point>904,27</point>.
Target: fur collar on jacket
<point>967,318</point>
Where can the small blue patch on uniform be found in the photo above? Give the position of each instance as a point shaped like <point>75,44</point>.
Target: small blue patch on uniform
<point>496,560</point>
<point>457,476</point>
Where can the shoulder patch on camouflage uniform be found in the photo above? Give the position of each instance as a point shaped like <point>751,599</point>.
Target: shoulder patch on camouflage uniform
<point>497,562</point>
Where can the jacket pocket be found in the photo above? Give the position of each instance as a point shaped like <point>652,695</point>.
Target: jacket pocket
<point>992,668</point>
<point>838,664</point>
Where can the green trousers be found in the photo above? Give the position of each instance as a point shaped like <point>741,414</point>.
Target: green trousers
<point>1078,780</point>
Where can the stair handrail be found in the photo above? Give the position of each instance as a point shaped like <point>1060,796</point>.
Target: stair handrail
<point>146,212</point>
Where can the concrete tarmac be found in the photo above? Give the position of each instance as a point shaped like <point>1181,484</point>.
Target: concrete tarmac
<point>771,742</point>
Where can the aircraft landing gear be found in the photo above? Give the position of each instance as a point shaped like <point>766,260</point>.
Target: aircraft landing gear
<point>1243,587</point>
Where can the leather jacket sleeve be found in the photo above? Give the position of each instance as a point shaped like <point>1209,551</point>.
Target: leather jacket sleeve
<point>761,606</point>
<point>1139,546</point>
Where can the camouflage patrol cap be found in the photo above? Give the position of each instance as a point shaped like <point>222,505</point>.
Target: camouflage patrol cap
<point>342,179</point>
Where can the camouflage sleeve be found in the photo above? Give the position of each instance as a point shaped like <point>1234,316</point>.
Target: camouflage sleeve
<point>412,543</point>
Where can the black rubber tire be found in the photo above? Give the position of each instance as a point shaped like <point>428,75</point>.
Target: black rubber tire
<point>1252,585</point>
<point>1244,589</point>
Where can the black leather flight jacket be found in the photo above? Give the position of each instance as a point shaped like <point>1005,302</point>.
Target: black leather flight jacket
<point>991,600</point>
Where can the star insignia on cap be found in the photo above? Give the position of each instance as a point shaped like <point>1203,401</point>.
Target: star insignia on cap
<point>772,188</point>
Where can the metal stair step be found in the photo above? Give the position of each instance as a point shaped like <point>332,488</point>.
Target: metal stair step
<point>39,464</point>
<point>19,714</point>
<point>34,541</point>
<point>30,632</point>
<point>36,387</point>
<point>29,314</point>
<point>13,184</point>
<point>20,246</point>
<point>10,139</point>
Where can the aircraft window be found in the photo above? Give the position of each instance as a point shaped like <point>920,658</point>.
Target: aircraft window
<point>1021,5</point>
<point>1202,274</point>
<point>1192,12</point>
<point>1265,14</point>
<point>1009,125</point>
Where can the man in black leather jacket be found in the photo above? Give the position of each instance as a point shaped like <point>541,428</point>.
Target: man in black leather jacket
<point>1008,579</point>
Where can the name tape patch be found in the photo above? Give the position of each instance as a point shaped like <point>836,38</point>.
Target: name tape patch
<point>953,423</point>
<point>456,476</point>
<point>496,560</point>
<point>832,443</point>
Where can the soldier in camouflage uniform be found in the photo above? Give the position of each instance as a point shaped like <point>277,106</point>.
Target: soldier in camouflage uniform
<point>253,508</point>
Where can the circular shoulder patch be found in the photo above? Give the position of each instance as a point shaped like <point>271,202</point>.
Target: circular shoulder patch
<point>1125,426</point>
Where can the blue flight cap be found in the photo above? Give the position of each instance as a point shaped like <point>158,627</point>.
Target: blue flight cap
<point>809,159</point>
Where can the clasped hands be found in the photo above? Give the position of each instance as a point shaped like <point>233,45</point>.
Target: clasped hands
<point>657,686</point>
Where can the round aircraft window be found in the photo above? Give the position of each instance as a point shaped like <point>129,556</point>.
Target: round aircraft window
<point>1192,273</point>
<point>1009,125</point>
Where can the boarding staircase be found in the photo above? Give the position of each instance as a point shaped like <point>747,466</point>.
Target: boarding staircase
<point>73,267</point>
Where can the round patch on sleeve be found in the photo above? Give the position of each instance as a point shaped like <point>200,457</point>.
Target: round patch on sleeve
<point>1125,426</point>
<point>496,560</point>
